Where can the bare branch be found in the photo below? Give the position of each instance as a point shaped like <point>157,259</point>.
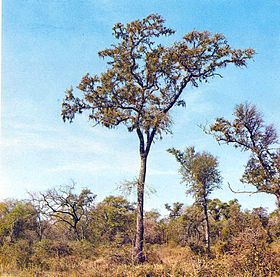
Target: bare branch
<point>247,192</point>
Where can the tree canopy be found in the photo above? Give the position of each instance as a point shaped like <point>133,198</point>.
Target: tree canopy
<point>248,132</point>
<point>199,171</point>
<point>144,79</point>
<point>201,175</point>
<point>64,205</point>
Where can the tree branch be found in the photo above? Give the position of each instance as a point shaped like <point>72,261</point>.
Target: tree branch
<point>247,192</point>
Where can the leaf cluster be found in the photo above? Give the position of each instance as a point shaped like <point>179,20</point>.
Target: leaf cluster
<point>145,79</point>
<point>199,171</point>
<point>249,133</point>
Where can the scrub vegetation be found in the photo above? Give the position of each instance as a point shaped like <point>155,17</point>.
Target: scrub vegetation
<point>36,241</point>
<point>65,232</point>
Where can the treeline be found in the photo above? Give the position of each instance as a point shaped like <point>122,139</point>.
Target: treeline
<point>65,232</point>
<point>62,231</point>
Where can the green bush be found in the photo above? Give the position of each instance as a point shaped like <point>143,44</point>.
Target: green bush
<point>16,255</point>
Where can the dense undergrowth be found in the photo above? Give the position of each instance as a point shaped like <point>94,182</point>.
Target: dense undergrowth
<point>34,242</point>
<point>81,259</point>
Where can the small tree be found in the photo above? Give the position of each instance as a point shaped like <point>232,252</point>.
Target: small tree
<point>144,81</point>
<point>200,173</point>
<point>175,210</point>
<point>17,221</point>
<point>65,206</point>
<point>154,227</point>
<point>249,133</point>
<point>38,205</point>
<point>218,209</point>
<point>113,219</point>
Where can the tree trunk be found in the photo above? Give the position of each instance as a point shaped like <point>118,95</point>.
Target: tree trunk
<point>40,231</point>
<point>207,227</point>
<point>278,201</point>
<point>139,257</point>
<point>76,232</point>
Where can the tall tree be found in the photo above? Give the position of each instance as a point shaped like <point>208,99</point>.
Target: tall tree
<point>248,132</point>
<point>144,80</point>
<point>200,173</point>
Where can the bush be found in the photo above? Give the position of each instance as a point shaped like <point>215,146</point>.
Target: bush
<point>16,255</point>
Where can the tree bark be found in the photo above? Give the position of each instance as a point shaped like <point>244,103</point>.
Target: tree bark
<point>40,229</point>
<point>75,227</point>
<point>139,257</point>
<point>207,227</point>
<point>278,201</point>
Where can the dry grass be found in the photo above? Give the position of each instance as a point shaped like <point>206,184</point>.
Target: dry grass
<point>165,261</point>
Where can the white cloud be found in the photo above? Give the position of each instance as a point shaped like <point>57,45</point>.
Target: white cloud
<point>35,127</point>
<point>81,167</point>
<point>116,162</point>
<point>25,140</point>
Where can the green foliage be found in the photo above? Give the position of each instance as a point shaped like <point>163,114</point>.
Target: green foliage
<point>244,243</point>
<point>218,209</point>
<point>17,217</point>
<point>199,171</point>
<point>46,253</point>
<point>16,255</point>
<point>249,133</point>
<point>144,79</point>
<point>175,210</point>
<point>192,221</point>
<point>114,219</point>
<point>155,227</point>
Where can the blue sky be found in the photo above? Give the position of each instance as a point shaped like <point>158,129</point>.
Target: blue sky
<point>48,46</point>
